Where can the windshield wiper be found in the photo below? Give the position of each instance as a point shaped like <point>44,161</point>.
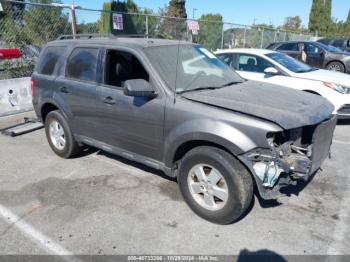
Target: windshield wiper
<point>210,87</point>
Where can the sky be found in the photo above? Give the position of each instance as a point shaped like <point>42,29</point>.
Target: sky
<point>234,11</point>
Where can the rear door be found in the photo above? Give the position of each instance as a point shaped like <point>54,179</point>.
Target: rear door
<point>291,49</point>
<point>76,89</point>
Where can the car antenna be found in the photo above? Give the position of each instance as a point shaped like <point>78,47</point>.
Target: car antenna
<point>177,65</point>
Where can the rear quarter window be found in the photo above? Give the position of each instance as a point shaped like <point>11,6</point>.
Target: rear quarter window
<point>82,64</point>
<point>50,60</point>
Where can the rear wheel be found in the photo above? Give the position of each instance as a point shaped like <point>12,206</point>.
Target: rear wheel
<point>215,185</point>
<point>60,136</point>
<point>336,66</point>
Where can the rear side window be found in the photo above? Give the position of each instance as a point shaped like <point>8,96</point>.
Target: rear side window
<point>50,59</point>
<point>288,47</point>
<point>82,64</point>
<point>338,43</point>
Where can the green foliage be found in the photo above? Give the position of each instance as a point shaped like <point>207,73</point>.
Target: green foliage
<point>292,23</point>
<point>210,31</point>
<point>316,20</point>
<point>175,28</point>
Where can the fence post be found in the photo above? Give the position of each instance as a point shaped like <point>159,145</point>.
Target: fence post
<point>274,38</point>
<point>244,36</point>
<point>74,20</point>
<point>222,36</point>
<point>147,26</point>
<point>262,37</point>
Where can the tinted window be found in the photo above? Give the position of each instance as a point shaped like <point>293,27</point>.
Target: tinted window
<point>226,58</point>
<point>82,64</point>
<point>251,63</point>
<point>312,49</point>
<point>338,43</point>
<point>50,59</point>
<point>288,47</point>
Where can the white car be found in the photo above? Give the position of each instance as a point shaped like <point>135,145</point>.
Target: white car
<point>280,69</point>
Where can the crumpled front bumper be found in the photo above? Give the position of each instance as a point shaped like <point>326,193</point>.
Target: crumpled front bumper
<point>275,168</point>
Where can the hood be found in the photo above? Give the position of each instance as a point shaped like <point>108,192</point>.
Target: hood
<point>326,76</point>
<point>284,106</point>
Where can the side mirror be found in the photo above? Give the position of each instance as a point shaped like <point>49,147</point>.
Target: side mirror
<point>138,87</point>
<point>271,71</point>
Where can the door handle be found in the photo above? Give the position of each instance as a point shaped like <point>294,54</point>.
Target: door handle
<point>63,89</point>
<point>109,100</point>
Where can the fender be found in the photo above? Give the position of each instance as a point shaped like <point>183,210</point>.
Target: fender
<point>212,131</point>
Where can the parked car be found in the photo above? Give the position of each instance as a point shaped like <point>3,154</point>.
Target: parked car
<point>341,43</point>
<point>280,69</point>
<point>215,132</point>
<point>315,54</point>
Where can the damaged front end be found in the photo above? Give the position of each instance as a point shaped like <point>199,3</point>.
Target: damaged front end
<point>292,155</point>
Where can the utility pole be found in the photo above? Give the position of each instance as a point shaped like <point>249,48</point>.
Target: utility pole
<point>193,12</point>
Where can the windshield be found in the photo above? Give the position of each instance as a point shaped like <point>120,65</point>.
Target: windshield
<point>330,48</point>
<point>290,63</point>
<point>196,67</point>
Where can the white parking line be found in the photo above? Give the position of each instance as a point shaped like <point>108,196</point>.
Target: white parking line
<point>36,236</point>
<point>341,226</point>
<point>341,142</point>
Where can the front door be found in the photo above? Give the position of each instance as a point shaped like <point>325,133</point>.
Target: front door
<point>314,55</point>
<point>134,124</point>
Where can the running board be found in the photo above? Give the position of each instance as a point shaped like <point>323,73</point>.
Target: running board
<point>29,125</point>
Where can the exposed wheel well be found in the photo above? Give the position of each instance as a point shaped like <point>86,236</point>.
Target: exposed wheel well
<point>311,92</point>
<point>187,146</point>
<point>47,108</point>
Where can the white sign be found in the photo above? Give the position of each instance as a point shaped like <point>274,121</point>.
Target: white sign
<point>193,26</point>
<point>1,9</point>
<point>117,22</point>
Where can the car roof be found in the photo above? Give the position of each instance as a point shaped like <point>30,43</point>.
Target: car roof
<point>253,51</point>
<point>119,41</point>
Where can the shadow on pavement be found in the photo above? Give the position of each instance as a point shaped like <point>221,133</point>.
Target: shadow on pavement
<point>260,255</point>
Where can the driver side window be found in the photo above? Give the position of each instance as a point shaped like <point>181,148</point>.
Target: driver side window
<point>122,66</point>
<point>252,63</point>
<point>312,49</point>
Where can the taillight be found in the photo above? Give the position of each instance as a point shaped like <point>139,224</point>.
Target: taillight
<point>10,53</point>
<point>32,87</point>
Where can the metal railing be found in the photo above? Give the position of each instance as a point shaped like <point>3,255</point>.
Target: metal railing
<point>31,25</point>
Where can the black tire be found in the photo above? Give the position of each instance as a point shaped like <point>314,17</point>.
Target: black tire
<point>336,66</point>
<point>238,179</point>
<point>71,147</point>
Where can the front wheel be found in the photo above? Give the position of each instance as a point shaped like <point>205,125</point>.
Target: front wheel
<point>336,66</point>
<point>215,185</point>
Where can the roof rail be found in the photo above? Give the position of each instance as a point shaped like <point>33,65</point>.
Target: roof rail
<point>91,36</point>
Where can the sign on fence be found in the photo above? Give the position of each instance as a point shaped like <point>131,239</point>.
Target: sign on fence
<point>117,22</point>
<point>193,26</point>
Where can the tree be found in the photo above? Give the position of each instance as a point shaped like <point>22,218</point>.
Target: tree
<point>347,25</point>
<point>316,19</point>
<point>328,22</point>
<point>292,23</point>
<point>175,28</point>
<point>134,24</point>
<point>210,31</point>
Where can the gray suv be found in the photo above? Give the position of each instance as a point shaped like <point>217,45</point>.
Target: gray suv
<point>176,107</point>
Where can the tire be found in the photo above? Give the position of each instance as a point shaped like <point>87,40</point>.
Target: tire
<point>336,66</point>
<point>56,128</point>
<point>237,182</point>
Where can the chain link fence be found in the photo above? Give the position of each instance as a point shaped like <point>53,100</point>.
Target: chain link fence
<point>29,26</point>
